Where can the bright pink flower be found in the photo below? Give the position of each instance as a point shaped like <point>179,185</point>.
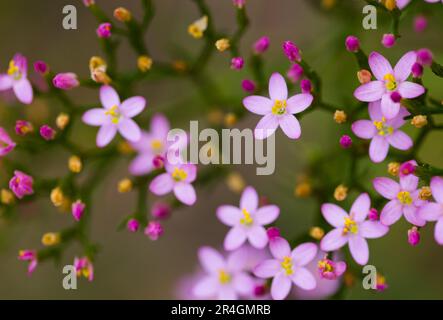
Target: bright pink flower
<point>413,236</point>
<point>161,210</point>
<point>6,143</point>
<point>287,267</point>
<point>261,45</point>
<point>23,127</point>
<point>373,214</point>
<point>345,141</point>
<point>237,63</point>
<point>115,116</point>
<point>154,230</point>
<point>248,85</point>
<point>65,81</point>
<point>388,40</point>
<point>351,228</point>
<point>433,211</point>
<point>352,44</point>
<point>247,222</point>
<point>278,110</point>
<point>21,184</point>
<point>295,72</point>
<point>329,269</point>
<point>77,209</point>
<point>84,267</point>
<point>384,133</point>
<point>407,168</point>
<point>389,80</point>
<point>31,256</point>
<point>225,278</point>
<point>16,79</point>
<point>47,132</point>
<point>403,199</point>
<point>291,51</point>
<point>177,178</point>
<point>104,30</point>
<point>133,225</point>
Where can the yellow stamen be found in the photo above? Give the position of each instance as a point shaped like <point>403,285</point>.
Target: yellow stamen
<point>224,277</point>
<point>287,265</point>
<point>179,174</point>
<point>279,107</point>
<point>404,197</point>
<point>14,70</point>
<point>156,145</point>
<point>247,219</point>
<point>114,113</point>
<point>391,83</point>
<point>382,128</point>
<point>350,226</point>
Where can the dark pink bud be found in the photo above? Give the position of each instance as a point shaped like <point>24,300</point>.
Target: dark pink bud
<point>407,168</point>
<point>77,209</point>
<point>295,72</point>
<point>65,81</point>
<point>248,85</point>
<point>154,230</point>
<point>388,40</point>
<point>41,67</point>
<point>104,30</point>
<point>420,23</point>
<point>417,70</point>
<point>261,45</point>
<point>273,232</point>
<point>413,236</point>
<point>291,51</point>
<point>23,127</point>
<point>161,210</point>
<point>395,97</point>
<point>237,63</point>
<point>424,57</point>
<point>47,132</point>
<point>345,141</point>
<point>259,290</point>
<point>158,162</point>
<point>133,225</point>
<point>352,44</point>
<point>306,86</point>
<point>373,214</point>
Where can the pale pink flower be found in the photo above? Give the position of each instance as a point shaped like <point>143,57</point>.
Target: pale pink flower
<point>21,184</point>
<point>433,211</point>
<point>17,79</point>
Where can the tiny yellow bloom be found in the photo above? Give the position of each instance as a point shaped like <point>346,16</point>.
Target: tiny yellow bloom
<point>317,233</point>
<point>425,193</point>
<point>6,197</point>
<point>124,185</point>
<point>144,63</point>
<point>341,192</point>
<point>419,121</point>
<point>364,76</point>
<point>75,164</point>
<point>122,14</point>
<point>230,119</point>
<point>235,182</point>
<point>57,197</point>
<point>393,168</point>
<point>390,4</point>
<point>222,44</point>
<point>340,116</point>
<point>62,121</point>
<point>51,239</point>
<point>303,189</point>
<point>198,27</point>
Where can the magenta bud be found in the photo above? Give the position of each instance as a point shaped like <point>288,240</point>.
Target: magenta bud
<point>23,127</point>
<point>395,97</point>
<point>295,72</point>
<point>388,40</point>
<point>413,236</point>
<point>154,230</point>
<point>259,290</point>
<point>65,81</point>
<point>425,56</point>
<point>47,132</point>
<point>161,210</point>
<point>420,23</point>
<point>133,225</point>
<point>306,86</point>
<point>104,30</point>
<point>417,70</point>
<point>77,209</point>
<point>407,168</point>
<point>41,67</point>
<point>237,63</point>
<point>373,214</point>
<point>248,86</point>
<point>273,232</point>
<point>291,51</point>
<point>158,162</point>
<point>352,44</point>
<point>345,141</point>
<point>261,45</point>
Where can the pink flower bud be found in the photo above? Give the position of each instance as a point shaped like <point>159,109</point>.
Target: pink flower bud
<point>345,141</point>
<point>77,209</point>
<point>407,168</point>
<point>239,3</point>
<point>260,290</point>
<point>41,67</point>
<point>23,127</point>
<point>388,40</point>
<point>104,30</point>
<point>373,214</point>
<point>133,225</point>
<point>248,86</point>
<point>161,210</point>
<point>417,70</point>
<point>47,132</point>
<point>295,72</point>
<point>158,162</point>
<point>21,184</point>
<point>65,81</point>
<point>291,51</point>
<point>237,63</point>
<point>425,57</point>
<point>413,236</point>
<point>261,45</point>
<point>352,44</point>
<point>420,23</point>
<point>154,230</point>
<point>395,97</point>
<point>306,86</point>
<point>273,232</point>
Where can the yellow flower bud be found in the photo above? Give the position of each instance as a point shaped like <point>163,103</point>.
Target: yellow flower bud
<point>198,27</point>
<point>390,4</point>
<point>144,63</point>
<point>235,182</point>
<point>340,193</point>
<point>230,119</point>
<point>51,239</point>
<point>328,4</point>
<point>57,197</point>
<point>96,62</point>
<point>222,44</point>
<point>419,121</point>
<point>75,164</point>
<point>122,14</point>
<point>6,197</point>
<point>97,68</point>
<point>303,189</point>
<point>125,147</point>
<point>340,116</point>
<point>317,233</point>
<point>393,168</point>
<point>125,185</point>
<point>425,193</point>
<point>62,121</point>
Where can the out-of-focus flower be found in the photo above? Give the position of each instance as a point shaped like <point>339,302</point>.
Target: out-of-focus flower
<point>198,27</point>
<point>51,239</point>
<point>133,225</point>
<point>75,164</point>
<point>239,3</point>
<point>295,72</point>
<point>287,267</point>
<point>16,79</point>
<point>316,233</point>
<point>420,23</point>
<point>47,133</point>
<point>222,44</point>
<point>407,168</point>
<point>417,70</point>
<point>247,222</point>
<point>419,121</point>
<point>388,40</point>
<point>248,85</point>
<point>23,127</point>
<point>390,4</point>
<point>303,189</point>
<point>57,197</point>
<point>272,233</point>
<point>144,63</point>
<point>62,121</point>
<point>352,44</point>
<point>78,209</point>
<point>237,63</point>
<point>66,81</point>
<point>403,199</point>
<point>261,45</point>
<point>352,229</point>
<point>161,210</point>
<point>235,182</point>
<point>122,14</point>
<point>364,76</point>
<point>21,184</point>
<point>413,236</point>
<point>104,30</point>
<point>425,193</point>
<point>340,192</point>
<point>154,230</point>
<point>425,56</point>
<point>329,269</point>
<point>381,283</point>
<point>6,143</point>
<point>115,116</point>
<point>433,211</point>
<point>291,51</point>
<point>382,132</point>
<point>41,67</point>
<point>389,80</point>
<point>124,185</point>
<point>84,268</point>
<point>6,197</point>
<point>88,3</point>
<point>393,168</point>
<point>97,69</point>
<point>340,116</point>
<point>278,110</point>
<point>373,214</point>
<point>345,141</point>
<point>31,256</point>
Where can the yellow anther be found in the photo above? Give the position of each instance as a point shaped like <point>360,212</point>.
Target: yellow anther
<point>247,219</point>
<point>179,174</point>
<point>350,226</point>
<point>279,107</point>
<point>156,145</point>
<point>391,83</point>
<point>51,239</point>
<point>14,70</point>
<point>287,265</point>
<point>382,128</point>
<point>404,197</point>
<point>223,277</point>
<point>198,27</point>
<point>114,113</point>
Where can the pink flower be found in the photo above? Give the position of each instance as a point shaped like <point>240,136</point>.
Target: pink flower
<point>295,72</point>
<point>177,178</point>
<point>306,86</point>
<point>417,70</point>
<point>248,85</point>
<point>413,236</point>
<point>420,23</point>
<point>278,110</point>
<point>237,63</point>
<point>273,232</point>
<point>104,30</point>
<point>78,209</point>
<point>47,132</point>
<point>21,184</point>
<point>388,81</point>
<point>31,256</point>
<point>247,222</point>
<point>23,127</point>
<point>16,79</point>
<point>373,214</point>
<point>84,268</point>
<point>291,51</point>
<point>384,133</point>
<point>388,40</point>
<point>433,211</point>
<point>115,116</point>
<point>287,267</point>
<point>224,279</point>
<point>407,168</point>
<point>65,81</point>
<point>404,199</point>
<point>352,44</point>
<point>6,143</point>
<point>261,45</point>
<point>154,230</point>
<point>351,228</point>
<point>133,225</point>
<point>329,269</point>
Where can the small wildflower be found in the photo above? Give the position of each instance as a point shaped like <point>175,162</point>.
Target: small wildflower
<point>230,119</point>
<point>373,214</point>
<point>84,267</point>
<point>23,127</point>
<point>21,184</point>
<point>237,63</point>
<point>57,197</point>
<point>425,193</point>
<point>65,81</point>
<point>352,44</point>
<point>144,63</point>
<point>340,192</point>
<point>198,27</point>
<point>133,225</point>
<point>303,190</point>
<point>291,51</point>
<point>272,233</point>
<point>381,283</point>
<point>316,233</point>
<point>16,78</point>
<point>261,45</point>
<point>47,132</point>
<point>329,269</point>
<point>248,86</point>
<point>62,121</point>
<point>6,197</point>
<point>6,143</point>
<point>340,116</point>
<point>420,23</point>
<point>158,162</point>
<point>345,141</point>
<point>235,182</point>
<point>75,164</point>
<point>41,67</point>
<point>419,121</point>
<point>51,239</point>
<point>31,256</point>
<point>388,40</point>
<point>104,30</point>
<point>125,185</point>
<point>78,209</point>
<point>160,210</point>
<point>407,168</point>
<point>154,230</point>
<point>364,76</point>
<point>97,69</point>
<point>433,211</point>
<point>222,44</point>
<point>122,14</point>
<point>393,168</point>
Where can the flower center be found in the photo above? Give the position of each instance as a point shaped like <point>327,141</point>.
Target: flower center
<point>179,174</point>
<point>247,219</point>
<point>404,197</point>
<point>223,277</point>
<point>114,113</point>
<point>287,265</point>
<point>325,265</point>
<point>382,128</point>
<point>390,82</point>
<point>279,107</point>
<point>14,71</point>
<point>350,226</point>
<point>156,145</point>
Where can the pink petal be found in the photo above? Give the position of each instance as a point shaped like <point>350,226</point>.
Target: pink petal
<point>412,216</point>
<point>360,207</point>
<point>359,249</point>
<point>95,117</point>
<point>257,237</point>
<point>290,126</point>
<point>141,165</point>
<point>378,149</point>
<point>386,187</point>
<point>266,126</point>
<point>372,229</point>
<point>334,214</point>
<point>266,215</point>
<point>162,184</point>
<point>333,240</point>
<point>304,279</point>
<point>379,65</point>
<point>299,102</point>
<point>303,254</point>
<point>159,126</point>
<point>258,104</point>
<point>277,87</point>
<point>191,171</point>
<point>389,108</point>
<point>249,200</point>
<point>364,129</point>
<point>391,212</point>
<point>132,106</point>
<point>400,140</point>
<point>229,215</point>
<point>398,121</point>
<point>211,260</point>
<point>403,67</point>
<point>431,211</point>
<point>109,97</point>
<point>129,129</point>
<point>410,90</point>
<point>374,109</point>
<point>243,283</point>
<point>409,182</point>
<point>267,269</point>
<point>340,268</point>
<point>281,285</point>
<point>371,91</point>
<point>105,134</point>
<point>279,248</point>
<point>438,232</point>
<point>227,293</point>
<point>23,91</point>
<point>234,238</point>
<point>5,82</point>
<point>185,192</point>
<point>437,189</point>
<point>206,287</point>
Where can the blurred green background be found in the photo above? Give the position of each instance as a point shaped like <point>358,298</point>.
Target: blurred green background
<point>133,267</point>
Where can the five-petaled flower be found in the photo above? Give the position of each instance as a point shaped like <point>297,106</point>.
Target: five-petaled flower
<point>278,110</point>
<point>433,211</point>
<point>16,79</point>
